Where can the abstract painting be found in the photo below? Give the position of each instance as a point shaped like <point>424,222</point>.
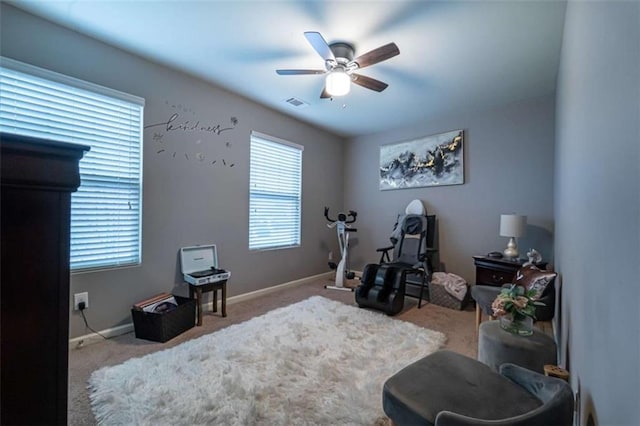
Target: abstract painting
<point>428,161</point>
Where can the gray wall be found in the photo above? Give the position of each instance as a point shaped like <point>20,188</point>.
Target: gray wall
<point>187,202</point>
<point>509,154</point>
<point>508,169</point>
<point>597,207</point>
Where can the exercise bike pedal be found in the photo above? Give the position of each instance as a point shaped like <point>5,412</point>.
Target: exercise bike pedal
<point>333,265</point>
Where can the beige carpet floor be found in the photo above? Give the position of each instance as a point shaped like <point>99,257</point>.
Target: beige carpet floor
<point>457,325</point>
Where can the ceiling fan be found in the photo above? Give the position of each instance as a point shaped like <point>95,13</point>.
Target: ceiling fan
<point>340,66</point>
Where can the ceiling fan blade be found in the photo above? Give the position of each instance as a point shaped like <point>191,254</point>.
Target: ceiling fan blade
<point>368,82</point>
<point>324,94</point>
<point>374,56</point>
<point>299,72</point>
<point>320,45</point>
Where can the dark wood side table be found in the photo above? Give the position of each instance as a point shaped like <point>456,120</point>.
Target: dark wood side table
<point>497,272</point>
<point>199,289</point>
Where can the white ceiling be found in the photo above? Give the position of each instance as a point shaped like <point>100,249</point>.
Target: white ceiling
<point>454,55</point>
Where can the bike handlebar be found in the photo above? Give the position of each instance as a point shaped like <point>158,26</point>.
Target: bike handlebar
<point>353,214</point>
<point>326,214</point>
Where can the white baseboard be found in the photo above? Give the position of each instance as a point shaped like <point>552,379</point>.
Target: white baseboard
<point>264,291</point>
<point>89,339</point>
<point>92,338</point>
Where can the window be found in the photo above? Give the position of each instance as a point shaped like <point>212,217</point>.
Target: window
<point>106,209</point>
<point>275,192</point>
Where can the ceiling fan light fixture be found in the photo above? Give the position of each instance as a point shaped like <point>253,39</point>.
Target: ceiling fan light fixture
<point>340,65</point>
<point>338,82</point>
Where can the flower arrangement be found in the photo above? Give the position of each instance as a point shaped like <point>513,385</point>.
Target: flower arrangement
<point>517,301</point>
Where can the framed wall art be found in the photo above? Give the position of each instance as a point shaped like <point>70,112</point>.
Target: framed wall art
<point>434,160</point>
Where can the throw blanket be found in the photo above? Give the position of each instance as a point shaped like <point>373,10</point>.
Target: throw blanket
<point>454,284</point>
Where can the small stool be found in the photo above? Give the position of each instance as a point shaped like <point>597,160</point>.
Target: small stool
<point>497,346</point>
<point>214,287</point>
<point>555,371</point>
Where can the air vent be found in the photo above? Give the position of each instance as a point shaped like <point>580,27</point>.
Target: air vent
<point>298,103</point>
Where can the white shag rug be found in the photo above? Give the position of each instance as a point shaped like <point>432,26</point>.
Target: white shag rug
<point>316,362</point>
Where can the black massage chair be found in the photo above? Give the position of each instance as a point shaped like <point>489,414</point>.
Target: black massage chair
<point>383,285</point>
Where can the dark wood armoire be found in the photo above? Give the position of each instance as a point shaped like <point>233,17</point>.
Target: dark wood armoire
<point>38,177</point>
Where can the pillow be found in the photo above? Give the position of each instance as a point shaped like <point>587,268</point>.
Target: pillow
<point>532,278</point>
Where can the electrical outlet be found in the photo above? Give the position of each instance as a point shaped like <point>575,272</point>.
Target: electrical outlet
<point>80,297</point>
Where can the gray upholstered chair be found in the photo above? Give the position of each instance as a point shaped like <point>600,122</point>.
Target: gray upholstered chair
<point>484,295</point>
<point>449,389</point>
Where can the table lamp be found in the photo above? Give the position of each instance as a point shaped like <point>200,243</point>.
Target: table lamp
<point>512,226</point>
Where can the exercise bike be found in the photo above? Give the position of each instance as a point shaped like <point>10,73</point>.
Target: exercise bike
<point>343,228</point>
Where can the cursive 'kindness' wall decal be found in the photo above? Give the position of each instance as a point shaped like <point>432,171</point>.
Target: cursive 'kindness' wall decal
<point>183,135</point>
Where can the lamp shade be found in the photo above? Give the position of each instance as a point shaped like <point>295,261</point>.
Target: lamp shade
<point>338,82</point>
<point>513,225</point>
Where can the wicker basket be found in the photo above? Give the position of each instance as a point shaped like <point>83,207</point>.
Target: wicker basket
<point>438,295</point>
<point>160,327</point>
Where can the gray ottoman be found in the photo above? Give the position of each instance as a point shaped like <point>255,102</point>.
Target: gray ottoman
<point>497,346</point>
<point>449,382</point>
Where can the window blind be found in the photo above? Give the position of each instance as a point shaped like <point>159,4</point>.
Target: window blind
<point>275,192</point>
<point>106,209</point>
